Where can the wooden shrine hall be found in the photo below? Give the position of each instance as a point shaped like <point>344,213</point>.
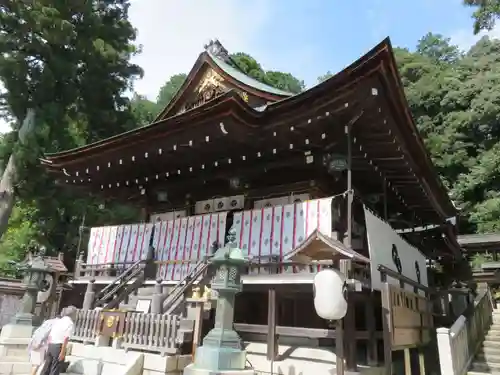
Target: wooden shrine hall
<point>336,176</point>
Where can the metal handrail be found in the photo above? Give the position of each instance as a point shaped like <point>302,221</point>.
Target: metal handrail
<point>179,290</point>
<point>125,280</point>
<point>118,279</point>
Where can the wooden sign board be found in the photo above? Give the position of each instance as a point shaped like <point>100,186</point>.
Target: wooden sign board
<point>410,318</point>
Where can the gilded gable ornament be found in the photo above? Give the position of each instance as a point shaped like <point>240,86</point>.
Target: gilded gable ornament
<point>244,96</point>
<point>209,88</point>
<point>211,79</point>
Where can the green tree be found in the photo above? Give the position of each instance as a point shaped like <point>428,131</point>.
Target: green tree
<point>438,48</point>
<point>70,61</point>
<point>485,14</point>
<point>169,89</point>
<point>284,81</point>
<point>325,76</point>
<point>144,110</point>
<point>248,65</point>
<point>457,108</point>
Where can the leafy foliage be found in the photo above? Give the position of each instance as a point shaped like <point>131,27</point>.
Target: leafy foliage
<point>284,81</point>
<point>70,61</point>
<point>485,15</point>
<point>456,104</point>
<point>325,76</point>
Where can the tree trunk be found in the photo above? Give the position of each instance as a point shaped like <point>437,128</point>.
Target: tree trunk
<point>9,176</point>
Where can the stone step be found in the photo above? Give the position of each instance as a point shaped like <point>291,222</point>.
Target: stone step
<point>12,358</point>
<point>483,366</point>
<point>492,337</point>
<point>490,350</point>
<point>488,343</point>
<point>84,366</point>
<point>14,368</point>
<point>488,357</point>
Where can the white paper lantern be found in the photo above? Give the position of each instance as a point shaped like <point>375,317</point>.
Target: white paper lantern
<point>329,298</point>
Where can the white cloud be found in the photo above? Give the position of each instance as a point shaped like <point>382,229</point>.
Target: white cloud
<point>173,33</point>
<point>465,38</point>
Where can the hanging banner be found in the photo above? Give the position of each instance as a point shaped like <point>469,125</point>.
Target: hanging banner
<point>185,241</point>
<point>277,230</point>
<point>388,248</point>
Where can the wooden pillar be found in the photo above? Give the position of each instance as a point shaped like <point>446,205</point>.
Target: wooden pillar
<point>339,347</point>
<point>372,352</point>
<point>421,361</point>
<point>350,335</point>
<point>195,312</point>
<point>386,324</point>
<point>407,361</point>
<point>272,338</point>
<point>144,214</point>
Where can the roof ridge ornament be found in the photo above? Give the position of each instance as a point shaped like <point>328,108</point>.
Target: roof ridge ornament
<point>215,48</point>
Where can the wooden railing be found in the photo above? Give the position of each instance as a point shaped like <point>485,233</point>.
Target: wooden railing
<point>458,344</point>
<point>92,271</point>
<point>86,326</point>
<point>161,333</point>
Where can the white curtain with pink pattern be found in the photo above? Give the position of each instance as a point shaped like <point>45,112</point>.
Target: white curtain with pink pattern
<point>275,231</point>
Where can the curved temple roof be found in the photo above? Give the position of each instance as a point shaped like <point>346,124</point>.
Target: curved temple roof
<point>247,80</point>
<point>217,57</point>
<point>369,90</point>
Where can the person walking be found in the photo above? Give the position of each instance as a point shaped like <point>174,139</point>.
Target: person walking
<point>38,345</point>
<point>59,336</point>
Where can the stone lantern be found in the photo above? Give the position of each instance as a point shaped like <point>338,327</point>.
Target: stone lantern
<point>35,270</point>
<point>222,349</point>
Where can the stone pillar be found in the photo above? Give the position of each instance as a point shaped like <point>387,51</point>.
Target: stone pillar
<point>88,300</point>
<point>222,349</point>
<point>156,301</point>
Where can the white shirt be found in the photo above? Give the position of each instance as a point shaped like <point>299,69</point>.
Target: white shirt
<point>62,329</point>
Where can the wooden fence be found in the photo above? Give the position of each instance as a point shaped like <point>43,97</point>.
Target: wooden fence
<point>458,344</point>
<point>159,333</point>
<point>86,326</point>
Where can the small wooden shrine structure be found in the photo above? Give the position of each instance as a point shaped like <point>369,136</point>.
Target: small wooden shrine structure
<point>482,251</point>
<point>339,169</point>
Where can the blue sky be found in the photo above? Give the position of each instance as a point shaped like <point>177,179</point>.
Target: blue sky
<point>334,33</point>
<point>304,37</point>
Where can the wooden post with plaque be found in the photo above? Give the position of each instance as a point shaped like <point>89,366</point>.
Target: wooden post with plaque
<point>111,325</point>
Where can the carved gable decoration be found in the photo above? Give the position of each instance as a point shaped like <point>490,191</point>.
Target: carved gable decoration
<point>210,86</point>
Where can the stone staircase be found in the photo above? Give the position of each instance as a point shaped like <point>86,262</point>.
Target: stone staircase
<point>487,360</point>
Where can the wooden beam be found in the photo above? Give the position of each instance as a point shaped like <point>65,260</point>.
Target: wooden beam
<point>372,345</point>
<point>387,326</point>
<point>312,333</point>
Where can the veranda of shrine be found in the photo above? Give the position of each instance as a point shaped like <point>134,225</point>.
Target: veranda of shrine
<point>229,147</point>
